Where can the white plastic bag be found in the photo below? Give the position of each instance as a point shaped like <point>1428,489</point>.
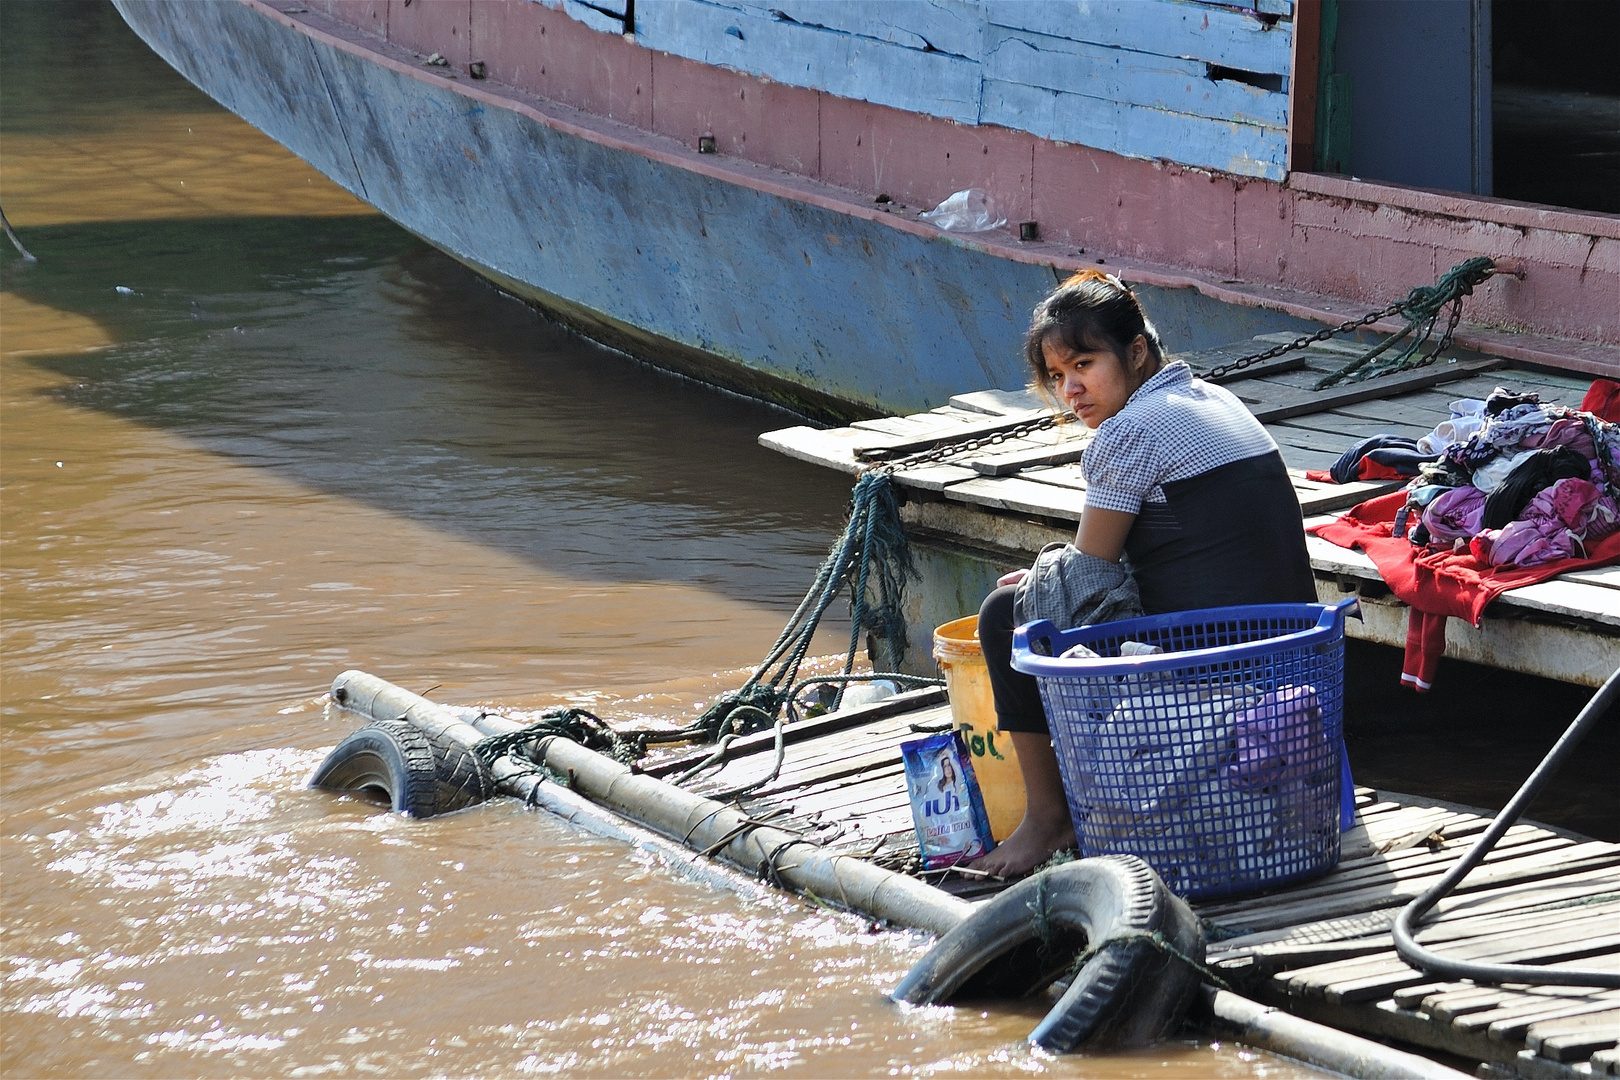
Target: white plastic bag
<point>966,211</point>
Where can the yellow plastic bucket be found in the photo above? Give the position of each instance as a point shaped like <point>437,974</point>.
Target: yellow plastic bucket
<point>973,709</point>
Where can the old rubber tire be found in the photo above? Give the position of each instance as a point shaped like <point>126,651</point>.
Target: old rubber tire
<point>1128,994</point>
<point>396,760</point>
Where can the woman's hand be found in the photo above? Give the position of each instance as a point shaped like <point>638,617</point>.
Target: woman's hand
<point>1013,578</point>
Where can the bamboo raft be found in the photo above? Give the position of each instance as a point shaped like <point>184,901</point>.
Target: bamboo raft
<point>1320,950</point>
<point>1312,968</point>
<point>995,508</point>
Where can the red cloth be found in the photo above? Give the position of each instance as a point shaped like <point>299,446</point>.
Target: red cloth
<point>1603,398</point>
<point>1436,585</point>
<point>1366,469</point>
<point>1425,645</point>
<point>1440,582</point>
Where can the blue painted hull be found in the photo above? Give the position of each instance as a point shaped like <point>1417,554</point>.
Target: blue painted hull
<point>831,314</point>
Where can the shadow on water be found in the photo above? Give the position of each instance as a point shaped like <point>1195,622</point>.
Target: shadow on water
<point>350,358</point>
<point>1476,737</point>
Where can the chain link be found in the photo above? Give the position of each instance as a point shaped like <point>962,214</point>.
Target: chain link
<point>953,448</point>
<point>1323,334</point>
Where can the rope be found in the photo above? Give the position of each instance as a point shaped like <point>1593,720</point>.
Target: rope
<point>1421,310</point>
<point>585,728</point>
<point>1157,941</point>
<point>873,560</point>
<point>16,241</point>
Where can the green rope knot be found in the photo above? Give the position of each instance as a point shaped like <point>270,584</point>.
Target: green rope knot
<point>1421,310</point>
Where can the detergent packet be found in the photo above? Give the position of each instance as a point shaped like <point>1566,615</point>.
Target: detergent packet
<point>946,805</point>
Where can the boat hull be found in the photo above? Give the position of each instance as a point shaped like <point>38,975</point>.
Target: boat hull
<point>749,286</point>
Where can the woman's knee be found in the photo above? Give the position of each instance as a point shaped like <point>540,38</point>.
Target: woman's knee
<point>996,617</point>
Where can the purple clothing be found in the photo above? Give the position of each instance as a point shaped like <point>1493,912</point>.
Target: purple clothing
<point>1455,515</point>
<point>1555,525</point>
<point>1281,738</point>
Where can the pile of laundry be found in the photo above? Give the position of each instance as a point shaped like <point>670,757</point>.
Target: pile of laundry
<point>1511,479</point>
<point>1504,493</point>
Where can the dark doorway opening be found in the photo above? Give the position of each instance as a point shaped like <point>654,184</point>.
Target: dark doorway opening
<point>1556,102</point>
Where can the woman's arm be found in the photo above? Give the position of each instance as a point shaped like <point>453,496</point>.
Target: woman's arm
<point>1102,532</point>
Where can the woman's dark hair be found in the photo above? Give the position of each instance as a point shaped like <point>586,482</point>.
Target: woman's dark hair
<point>1091,311</point>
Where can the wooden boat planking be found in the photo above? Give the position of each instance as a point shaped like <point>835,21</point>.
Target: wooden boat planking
<point>996,507</point>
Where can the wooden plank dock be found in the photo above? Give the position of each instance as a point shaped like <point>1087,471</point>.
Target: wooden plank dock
<point>1003,503</point>
<point>1321,950</point>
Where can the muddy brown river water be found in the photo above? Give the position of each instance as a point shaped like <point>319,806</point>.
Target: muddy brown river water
<point>253,435</point>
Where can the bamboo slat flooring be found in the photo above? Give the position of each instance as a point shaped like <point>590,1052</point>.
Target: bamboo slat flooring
<point>1322,948</point>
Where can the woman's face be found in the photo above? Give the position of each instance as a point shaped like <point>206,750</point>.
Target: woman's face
<point>1094,384</point>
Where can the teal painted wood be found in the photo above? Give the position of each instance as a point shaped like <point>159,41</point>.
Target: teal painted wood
<point>1195,31</point>
<point>1156,82</point>
<point>849,65</point>
<point>949,26</point>
<point>1244,149</point>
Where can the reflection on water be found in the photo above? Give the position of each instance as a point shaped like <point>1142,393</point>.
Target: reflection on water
<point>252,435</point>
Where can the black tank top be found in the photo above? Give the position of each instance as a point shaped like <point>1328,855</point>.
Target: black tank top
<point>1232,535</point>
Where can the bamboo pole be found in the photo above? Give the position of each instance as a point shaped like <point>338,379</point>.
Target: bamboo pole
<point>697,823</point>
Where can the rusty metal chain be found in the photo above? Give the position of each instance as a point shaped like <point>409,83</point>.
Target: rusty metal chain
<point>953,448</point>
<point>1302,342</point>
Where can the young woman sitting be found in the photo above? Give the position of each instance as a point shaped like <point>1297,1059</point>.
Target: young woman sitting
<point>1181,481</point>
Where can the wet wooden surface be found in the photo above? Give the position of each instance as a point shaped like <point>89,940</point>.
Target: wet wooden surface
<point>1322,948</point>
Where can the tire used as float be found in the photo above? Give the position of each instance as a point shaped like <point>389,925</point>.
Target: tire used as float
<point>416,775</point>
<point>1132,990</point>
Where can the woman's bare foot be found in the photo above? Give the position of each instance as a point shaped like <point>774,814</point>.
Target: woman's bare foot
<point>1030,845</point>
<point>1046,828</point>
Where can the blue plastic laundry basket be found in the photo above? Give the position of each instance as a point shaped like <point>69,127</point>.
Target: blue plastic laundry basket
<point>1220,762</point>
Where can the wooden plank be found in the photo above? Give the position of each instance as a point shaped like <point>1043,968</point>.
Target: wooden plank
<point>1063,453</point>
<point>917,706</point>
<point>1607,577</point>
<point>902,445</point>
<point>950,26</point>
<point>1159,27</point>
<point>1350,430</point>
<point>1397,892</point>
<point>1373,977</point>
<point>1574,1039</point>
<point>1449,1005</point>
<point>1286,362</point>
<point>834,449</point>
<point>1511,1022</point>
<point>1101,72</point>
<point>1000,402</point>
<point>1558,894</point>
<point>848,65</point>
<point>1020,495</point>
<point>1136,131</point>
<point>1281,407</point>
<point>1562,597</point>
<point>1378,949</point>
